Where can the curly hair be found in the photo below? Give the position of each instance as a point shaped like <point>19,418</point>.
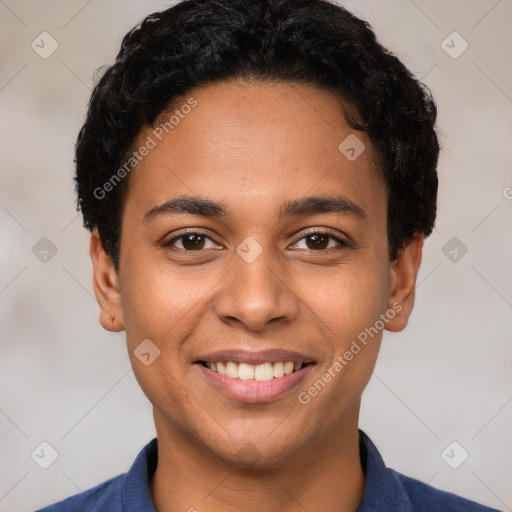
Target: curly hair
<point>316,42</point>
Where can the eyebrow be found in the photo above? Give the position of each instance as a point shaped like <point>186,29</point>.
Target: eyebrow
<point>297,207</point>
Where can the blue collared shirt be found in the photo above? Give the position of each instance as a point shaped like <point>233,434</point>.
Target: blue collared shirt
<point>386,490</point>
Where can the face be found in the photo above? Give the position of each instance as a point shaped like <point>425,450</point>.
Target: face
<point>250,237</point>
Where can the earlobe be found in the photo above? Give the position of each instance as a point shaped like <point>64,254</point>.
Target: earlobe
<point>404,271</point>
<point>106,286</point>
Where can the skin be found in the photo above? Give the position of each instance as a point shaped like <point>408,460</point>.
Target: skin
<point>252,147</point>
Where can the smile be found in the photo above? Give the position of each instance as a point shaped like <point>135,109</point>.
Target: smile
<point>260,372</point>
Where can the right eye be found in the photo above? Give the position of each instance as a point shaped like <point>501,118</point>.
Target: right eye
<point>191,241</point>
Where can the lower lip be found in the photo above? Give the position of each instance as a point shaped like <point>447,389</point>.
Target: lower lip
<point>254,391</point>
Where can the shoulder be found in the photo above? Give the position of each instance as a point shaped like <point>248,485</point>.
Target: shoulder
<point>425,498</point>
<point>102,497</point>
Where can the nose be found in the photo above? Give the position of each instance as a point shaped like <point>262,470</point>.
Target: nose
<point>256,293</point>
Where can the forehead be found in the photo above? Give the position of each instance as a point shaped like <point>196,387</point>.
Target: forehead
<point>254,144</point>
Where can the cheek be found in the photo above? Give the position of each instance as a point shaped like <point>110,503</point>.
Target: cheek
<point>359,324</point>
<point>348,305</point>
<point>159,308</point>
<point>156,301</point>
<point>349,300</point>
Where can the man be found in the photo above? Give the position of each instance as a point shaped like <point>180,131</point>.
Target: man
<point>258,178</point>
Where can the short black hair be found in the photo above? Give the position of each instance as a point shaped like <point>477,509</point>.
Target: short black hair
<point>316,42</point>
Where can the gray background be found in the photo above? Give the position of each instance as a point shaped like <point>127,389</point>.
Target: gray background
<point>66,381</point>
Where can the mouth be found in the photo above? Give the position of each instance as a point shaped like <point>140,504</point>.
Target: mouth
<point>259,372</point>
<point>254,377</point>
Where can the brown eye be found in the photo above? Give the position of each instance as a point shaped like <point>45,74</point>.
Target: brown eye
<point>193,241</point>
<point>318,241</point>
<point>189,242</point>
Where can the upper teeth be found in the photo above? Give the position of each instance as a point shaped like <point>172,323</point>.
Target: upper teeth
<point>244,371</point>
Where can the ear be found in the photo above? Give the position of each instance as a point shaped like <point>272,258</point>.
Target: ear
<point>106,286</point>
<point>404,271</point>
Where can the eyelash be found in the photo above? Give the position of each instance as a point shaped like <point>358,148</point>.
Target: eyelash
<point>317,231</point>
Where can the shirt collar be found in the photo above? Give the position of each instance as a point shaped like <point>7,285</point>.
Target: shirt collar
<point>135,493</point>
<point>383,488</point>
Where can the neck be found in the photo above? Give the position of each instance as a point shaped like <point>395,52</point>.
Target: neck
<point>327,475</point>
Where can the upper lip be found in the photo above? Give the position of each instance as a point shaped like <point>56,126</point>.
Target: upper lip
<point>256,357</point>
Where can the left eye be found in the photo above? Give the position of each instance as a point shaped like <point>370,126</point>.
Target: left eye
<point>320,241</point>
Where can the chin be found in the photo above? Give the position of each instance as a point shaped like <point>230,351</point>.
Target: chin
<point>252,454</point>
